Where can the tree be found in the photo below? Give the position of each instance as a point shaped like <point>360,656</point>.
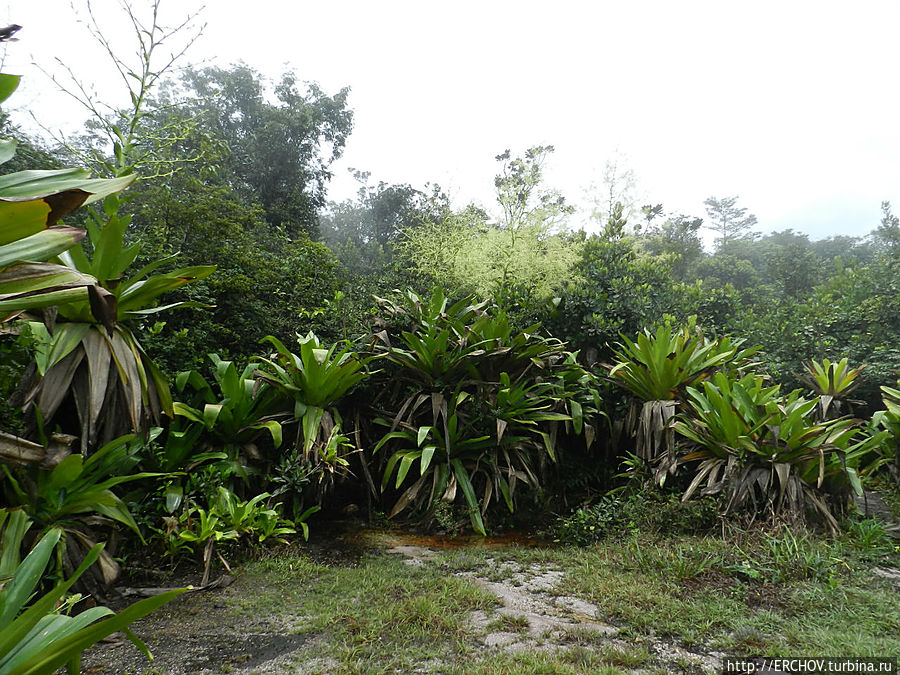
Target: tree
<point>279,152</point>
<point>379,214</point>
<point>264,282</point>
<point>520,193</point>
<point>791,264</point>
<point>520,259</point>
<point>676,237</point>
<point>618,186</point>
<point>727,220</point>
<point>887,234</point>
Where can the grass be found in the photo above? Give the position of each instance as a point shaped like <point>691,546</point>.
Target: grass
<point>378,616</point>
<point>509,623</point>
<point>772,594</point>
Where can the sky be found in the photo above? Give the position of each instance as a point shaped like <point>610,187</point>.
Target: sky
<point>790,104</point>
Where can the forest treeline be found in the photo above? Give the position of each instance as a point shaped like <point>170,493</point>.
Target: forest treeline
<point>235,174</point>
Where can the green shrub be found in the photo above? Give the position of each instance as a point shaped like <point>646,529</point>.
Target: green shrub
<point>591,523</point>
<point>646,512</point>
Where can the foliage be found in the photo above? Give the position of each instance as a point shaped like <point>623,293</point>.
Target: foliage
<point>766,452</point>
<point>889,420</point>
<point>728,221</point>
<point>616,288</point>
<point>520,259</point>
<point>39,638</point>
<point>230,519</point>
<point>656,512</point>
<point>659,366</point>
<point>657,369</point>
<point>316,379</point>
<point>77,494</point>
<point>232,418</point>
<point>832,382</point>
<point>591,523</point>
<point>88,351</point>
<point>474,404</point>
<point>32,203</point>
<point>264,283</point>
<point>279,147</point>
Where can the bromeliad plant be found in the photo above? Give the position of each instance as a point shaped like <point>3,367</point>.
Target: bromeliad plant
<point>88,349</point>
<point>472,404</point>
<point>77,495</point>
<point>315,379</point>
<point>231,419</point>
<point>832,382</point>
<point>889,420</point>
<point>766,451</point>
<point>656,369</point>
<point>32,204</point>
<point>90,353</point>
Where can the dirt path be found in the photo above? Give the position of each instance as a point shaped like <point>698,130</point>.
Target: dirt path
<point>535,614</point>
<point>200,633</point>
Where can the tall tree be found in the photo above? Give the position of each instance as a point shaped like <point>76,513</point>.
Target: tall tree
<point>887,234</point>
<point>618,186</point>
<point>520,258</point>
<point>727,220</point>
<point>677,237</point>
<point>280,147</point>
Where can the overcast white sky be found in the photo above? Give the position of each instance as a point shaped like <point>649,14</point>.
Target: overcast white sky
<point>790,104</point>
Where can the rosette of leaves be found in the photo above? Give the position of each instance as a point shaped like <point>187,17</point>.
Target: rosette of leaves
<point>767,452</point>
<point>78,495</point>
<point>228,421</point>
<point>316,379</point>
<point>889,420</point>
<point>32,204</point>
<point>471,404</point>
<point>88,350</point>
<point>832,382</point>
<point>657,368</point>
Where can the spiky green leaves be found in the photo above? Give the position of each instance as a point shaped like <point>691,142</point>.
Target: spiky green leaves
<point>473,404</point>
<point>315,379</point>
<point>767,450</point>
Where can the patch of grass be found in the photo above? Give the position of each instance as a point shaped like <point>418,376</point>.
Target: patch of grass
<point>692,590</point>
<point>774,594</point>
<point>380,616</point>
<point>562,661</point>
<point>870,538</point>
<point>509,623</point>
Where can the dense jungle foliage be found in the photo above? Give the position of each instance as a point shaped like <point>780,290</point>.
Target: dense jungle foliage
<point>233,352</point>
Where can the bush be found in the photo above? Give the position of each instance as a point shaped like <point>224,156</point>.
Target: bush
<point>647,512</point>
